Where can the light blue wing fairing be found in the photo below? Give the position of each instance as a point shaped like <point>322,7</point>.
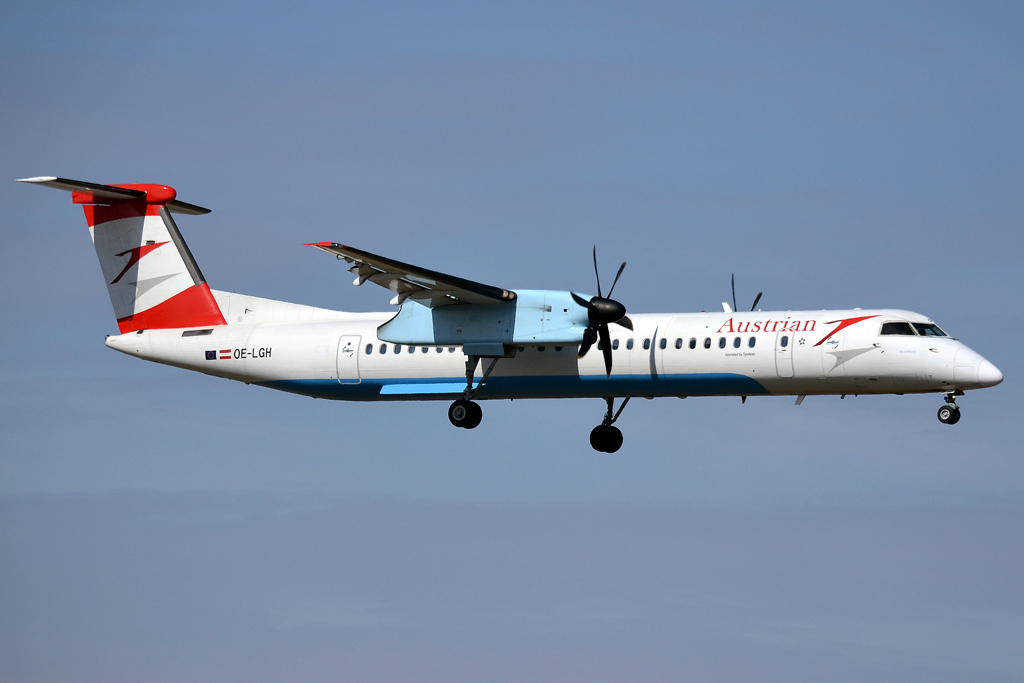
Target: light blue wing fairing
<point>535,317</point>
<point>454,311</point>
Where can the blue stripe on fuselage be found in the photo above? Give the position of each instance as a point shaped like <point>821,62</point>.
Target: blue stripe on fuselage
<point>552,386</point>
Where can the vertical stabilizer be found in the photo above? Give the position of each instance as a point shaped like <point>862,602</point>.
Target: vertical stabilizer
<point>152,279</point>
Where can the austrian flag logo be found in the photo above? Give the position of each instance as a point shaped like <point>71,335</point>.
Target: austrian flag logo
<point>223,354</point>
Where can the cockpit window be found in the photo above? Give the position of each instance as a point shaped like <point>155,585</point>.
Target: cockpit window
<point>929,330</point>
<point>903,329</point>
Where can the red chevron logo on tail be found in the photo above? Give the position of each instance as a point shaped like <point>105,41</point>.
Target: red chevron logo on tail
<point>136,254</point>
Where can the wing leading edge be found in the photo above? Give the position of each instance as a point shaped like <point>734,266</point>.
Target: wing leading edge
<point>423,286</point>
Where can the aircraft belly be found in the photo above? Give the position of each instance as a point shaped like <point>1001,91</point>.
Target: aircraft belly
<point>525,386</point>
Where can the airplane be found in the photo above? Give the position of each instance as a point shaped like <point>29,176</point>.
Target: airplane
<point>457,340</point>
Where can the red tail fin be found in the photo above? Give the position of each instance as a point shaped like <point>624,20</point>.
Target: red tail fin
<point>152,279</point>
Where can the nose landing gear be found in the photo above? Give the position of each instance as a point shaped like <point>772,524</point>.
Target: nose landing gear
<point>949,414</point>
<point>604,437</point>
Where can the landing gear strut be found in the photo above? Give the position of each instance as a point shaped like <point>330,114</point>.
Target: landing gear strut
<point>465,412</point>
<point>604,437</point>
<point>949,414</point>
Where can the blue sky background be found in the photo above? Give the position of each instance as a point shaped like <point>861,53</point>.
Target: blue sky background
<point>163,525</point>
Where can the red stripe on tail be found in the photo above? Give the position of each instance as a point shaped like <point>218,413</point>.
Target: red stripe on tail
<point>194,307</point>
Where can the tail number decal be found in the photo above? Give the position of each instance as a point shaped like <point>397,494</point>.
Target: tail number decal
<point>239,354</point>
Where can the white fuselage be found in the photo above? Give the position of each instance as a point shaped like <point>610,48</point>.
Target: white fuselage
<point>336,355</point>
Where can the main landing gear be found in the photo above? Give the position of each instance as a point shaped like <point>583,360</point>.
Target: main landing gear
<point>604,437</point>
<point>949,414</point>
<point>465,413</point>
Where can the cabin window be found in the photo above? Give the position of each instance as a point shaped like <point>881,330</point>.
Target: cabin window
<point>736,343</point>
<point>929,330</point>
<point>693,342</point>
<point>558,349</point>
<point>721,342</point>
<point>541,348</point>
<point>707,342</point>
<point>369,349</point>
<point>784,342</point>
<point>383,349</point>
<point>751,342</point>
<point>663,343</point>
<point>615,344</point>
<point>439,349</point>
<point>647,343</point>
<point>424,349</point>
<point>629,344</point>
<point>679,343</point>
<point>451,349</point>
<point>398,348</point>
<point>897,329</point>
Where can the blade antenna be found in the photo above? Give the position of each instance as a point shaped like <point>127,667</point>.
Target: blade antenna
<point>756,299</point>
<point>734,307</point>
<point>616,281</point>
<point>597,274</point>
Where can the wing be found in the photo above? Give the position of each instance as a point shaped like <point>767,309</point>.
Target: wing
<point>423,286</point>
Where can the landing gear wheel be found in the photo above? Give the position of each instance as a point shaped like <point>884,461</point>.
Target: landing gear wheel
<point>465,414</point>
<point>476,414</point>
<point>949,415</point>
<point>606,439</point>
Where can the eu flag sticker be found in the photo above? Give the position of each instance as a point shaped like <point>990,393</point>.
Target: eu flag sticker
<point>211,355</point>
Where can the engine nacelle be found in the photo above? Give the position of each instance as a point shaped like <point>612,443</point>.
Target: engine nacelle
<point>534,317</point>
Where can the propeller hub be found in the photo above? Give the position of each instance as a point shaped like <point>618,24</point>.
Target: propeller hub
<point>602,310</point>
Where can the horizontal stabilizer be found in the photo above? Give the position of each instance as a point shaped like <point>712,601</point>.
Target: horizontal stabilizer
<point>94,193</point>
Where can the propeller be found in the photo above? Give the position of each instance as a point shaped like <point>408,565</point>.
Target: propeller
<point>602,311</point>
<point>756,298</point>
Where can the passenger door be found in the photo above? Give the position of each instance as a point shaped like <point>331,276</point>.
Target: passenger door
<point>784,354</point>
<point>348,359</point>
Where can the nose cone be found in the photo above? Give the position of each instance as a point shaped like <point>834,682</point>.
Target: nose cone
<point>989,375</point>
<point>606,310</point>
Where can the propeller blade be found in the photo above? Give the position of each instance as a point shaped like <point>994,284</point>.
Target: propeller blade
<point>597,274</point>
<point>756,299</point>
<point>580,300</point>
<point>616,281</point>
<point>734,292</point>
<point>589,337</point>
<point>606,348</point>
<point>625,322</point>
